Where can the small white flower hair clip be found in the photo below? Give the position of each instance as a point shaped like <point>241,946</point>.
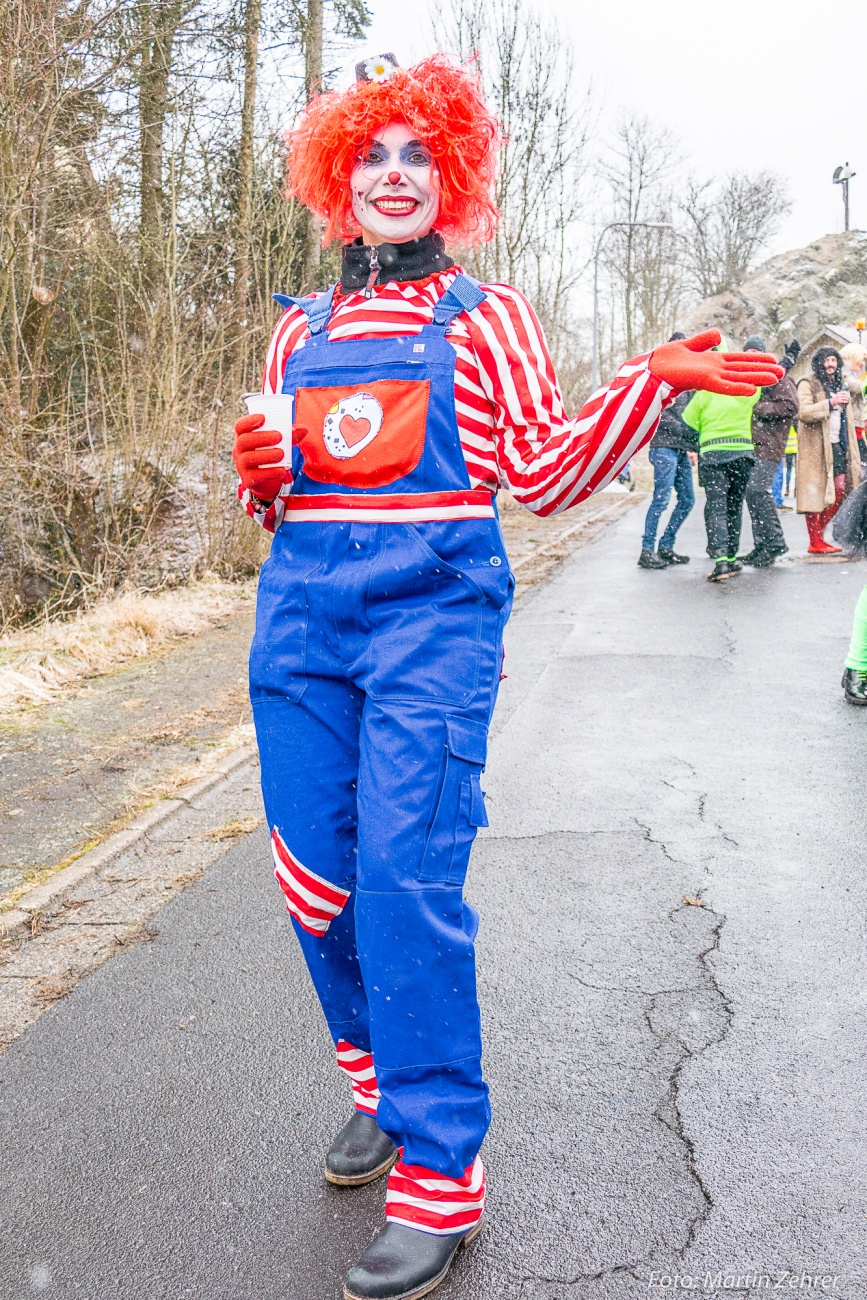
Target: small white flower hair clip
<point>381,67</point>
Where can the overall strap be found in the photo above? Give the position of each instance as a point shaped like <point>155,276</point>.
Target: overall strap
<point>462,295</point>
<point>317,310</point>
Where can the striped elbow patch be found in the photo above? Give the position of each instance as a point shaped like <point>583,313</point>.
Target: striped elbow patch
<point>358,1066</point>
<point>313,902</point>
<point>430,1202</point>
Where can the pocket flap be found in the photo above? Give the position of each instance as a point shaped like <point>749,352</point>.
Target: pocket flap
<point>467,740</point>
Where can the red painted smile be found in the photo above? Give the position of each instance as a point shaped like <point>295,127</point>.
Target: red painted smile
<point>395,207</point>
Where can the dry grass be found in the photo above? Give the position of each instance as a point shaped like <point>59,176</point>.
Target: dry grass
<point>233,829</point>
<point>38,664</point>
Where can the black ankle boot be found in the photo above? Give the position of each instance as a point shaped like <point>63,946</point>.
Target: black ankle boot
<point>403,1263</point>
<point>359,1153</point>
<point>721,570</point>
<point>854,685</point>
<point>650,560</point>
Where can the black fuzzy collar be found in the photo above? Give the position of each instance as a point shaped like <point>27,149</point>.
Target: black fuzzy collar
<point>414,260</point>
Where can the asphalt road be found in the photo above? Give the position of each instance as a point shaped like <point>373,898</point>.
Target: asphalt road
<point>677,1089</point>
<point>69,768</point>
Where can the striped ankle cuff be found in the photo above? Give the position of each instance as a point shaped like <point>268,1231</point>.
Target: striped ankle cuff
<point>358,1067</point>
<point>420,1198</point>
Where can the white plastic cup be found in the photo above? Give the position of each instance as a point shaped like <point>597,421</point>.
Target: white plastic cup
<point>277,410</point>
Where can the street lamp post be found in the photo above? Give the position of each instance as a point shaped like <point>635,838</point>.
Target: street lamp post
<point>612,225</point>
<point>842,176</point>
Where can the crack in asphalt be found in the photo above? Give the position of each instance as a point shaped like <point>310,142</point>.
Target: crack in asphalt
<point>668,1112</point>
<point>637,993</point>
<point>628,1269</point>
<point>730,642</point>
<point>648,835</point>
<point>708,821</point>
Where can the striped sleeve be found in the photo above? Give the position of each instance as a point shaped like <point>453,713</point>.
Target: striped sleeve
<point>547,461</point>
<point>286,337</point>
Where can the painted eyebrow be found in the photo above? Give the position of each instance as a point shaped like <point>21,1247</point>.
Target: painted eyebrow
<point>410,144</point>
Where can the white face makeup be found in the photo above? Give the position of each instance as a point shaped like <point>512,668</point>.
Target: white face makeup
<point>394,191</point>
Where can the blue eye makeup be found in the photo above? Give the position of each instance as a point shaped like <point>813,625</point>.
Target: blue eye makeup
<point>373,158</point>
<point>415,155</point>
<point>376,157</point>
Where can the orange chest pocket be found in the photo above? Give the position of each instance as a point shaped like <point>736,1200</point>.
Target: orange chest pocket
<point>362,437</point>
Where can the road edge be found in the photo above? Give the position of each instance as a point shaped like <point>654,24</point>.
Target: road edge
<point>16,921</point>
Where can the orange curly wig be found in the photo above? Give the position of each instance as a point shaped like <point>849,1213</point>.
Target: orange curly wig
<point>438,100</point>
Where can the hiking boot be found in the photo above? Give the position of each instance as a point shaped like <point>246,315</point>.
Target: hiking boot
<point>721,570</point>
<point>735,565</point>
<point>404,1263</point>
<point>360,1153</point>
<point>672,557</point>
<point>650,560</point>
<point>763,557</point>
<point>854,685</point>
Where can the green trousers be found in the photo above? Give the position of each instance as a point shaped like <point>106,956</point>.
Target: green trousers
<point>857,657</point>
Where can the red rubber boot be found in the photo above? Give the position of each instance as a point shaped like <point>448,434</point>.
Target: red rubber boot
<point>817,523</point>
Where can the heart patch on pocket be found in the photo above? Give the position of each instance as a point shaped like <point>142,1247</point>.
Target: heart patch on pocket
<point>351,425</point>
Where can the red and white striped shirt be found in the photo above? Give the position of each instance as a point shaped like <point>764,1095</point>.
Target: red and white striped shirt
<point>513,427</point>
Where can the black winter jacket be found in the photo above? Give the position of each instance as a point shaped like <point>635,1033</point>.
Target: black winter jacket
<point>773,415</point>
<point>671,431</point>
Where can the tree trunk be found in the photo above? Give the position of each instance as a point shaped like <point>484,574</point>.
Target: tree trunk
<point>244,225</point>
<point>160,20</point>
<point>313,41</point>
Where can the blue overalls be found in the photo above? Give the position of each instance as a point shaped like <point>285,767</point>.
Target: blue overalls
<point>373,675</point>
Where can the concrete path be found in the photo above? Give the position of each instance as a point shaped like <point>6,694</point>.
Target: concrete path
<point>678,1086</point>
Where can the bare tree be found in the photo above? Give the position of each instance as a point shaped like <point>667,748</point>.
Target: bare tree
<point>643,264</point>
<point>530,84</point>
<point>246,178</point>
<point>158,23</point>
<point>728,223</point>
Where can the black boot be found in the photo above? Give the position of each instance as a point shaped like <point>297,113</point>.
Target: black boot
<point>721,570</point>
<point>672,557</point>
<point>359,1153</point>
<point>650,560</point>
<point>403,1263</point>
<point>854,685</point>
<point>763,556</point>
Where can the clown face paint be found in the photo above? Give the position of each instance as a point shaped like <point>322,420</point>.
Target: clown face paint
<point>351,425</point>
<point>394,187</point>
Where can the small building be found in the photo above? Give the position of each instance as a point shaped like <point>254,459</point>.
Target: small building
<point>829,336</point>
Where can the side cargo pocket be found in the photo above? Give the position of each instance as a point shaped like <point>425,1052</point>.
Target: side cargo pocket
<point>460,805</point>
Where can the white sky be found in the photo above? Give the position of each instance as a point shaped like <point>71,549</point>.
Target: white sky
<point>746,85</point>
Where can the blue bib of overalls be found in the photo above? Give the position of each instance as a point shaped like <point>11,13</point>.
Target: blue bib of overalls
<point>376,417</point>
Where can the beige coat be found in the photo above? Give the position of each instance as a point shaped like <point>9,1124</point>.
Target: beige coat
<point>856,397</point>
<point>815,481</point>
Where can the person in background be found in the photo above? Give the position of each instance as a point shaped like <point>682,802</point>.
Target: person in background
<point>829,463</point>
<point>777,488</point>
<point>855,673</point>
<point>855,362</point>
<point>725,460</point>
<point>772,418</point>
<point>672,454</point>
<point>791,454</point>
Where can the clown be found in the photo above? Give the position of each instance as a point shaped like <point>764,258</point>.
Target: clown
<point>418,393</point>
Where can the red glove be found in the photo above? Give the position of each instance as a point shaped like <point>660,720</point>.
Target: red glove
<point>689,364</point>
<point>257,455</point>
